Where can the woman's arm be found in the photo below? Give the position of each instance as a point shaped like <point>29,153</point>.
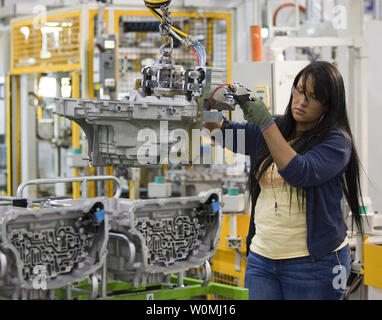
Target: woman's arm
<point>320,164</point>
<point>282,153</point>
<point>239,137</point>
<point>256,112</point>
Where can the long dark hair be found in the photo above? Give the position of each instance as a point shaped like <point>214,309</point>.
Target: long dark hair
<point>330,91</point>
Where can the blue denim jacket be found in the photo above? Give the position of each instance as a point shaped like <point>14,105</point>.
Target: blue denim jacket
<point>320,172</point>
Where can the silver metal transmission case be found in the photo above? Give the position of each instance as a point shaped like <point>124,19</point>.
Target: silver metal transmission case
<point>138,132</point>
<point>151,239</point>
<point>51,247</point>
<point>49,244</point>
<point>113,128</point>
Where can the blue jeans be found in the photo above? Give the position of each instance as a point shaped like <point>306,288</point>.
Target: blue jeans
<point>298,278</point>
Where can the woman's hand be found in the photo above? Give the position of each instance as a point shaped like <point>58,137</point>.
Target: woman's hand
<point>254,109</point>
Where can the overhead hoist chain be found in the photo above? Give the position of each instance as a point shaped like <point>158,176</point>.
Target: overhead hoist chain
<point>164,30</point>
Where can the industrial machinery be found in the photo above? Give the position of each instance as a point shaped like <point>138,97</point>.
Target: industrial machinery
<point>190,182</point>
<point>168,103</point>
<point>56,243</point>
<point>51,244</point>
<point>116,131</point>
<point>104,62</point>
<point>147,240</point>
<point>152,239</point>
<point>47,244</point>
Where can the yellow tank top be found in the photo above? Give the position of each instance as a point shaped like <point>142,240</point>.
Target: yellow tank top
<point>281,231</point>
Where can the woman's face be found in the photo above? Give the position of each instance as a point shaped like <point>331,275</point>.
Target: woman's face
<point>307,111</point>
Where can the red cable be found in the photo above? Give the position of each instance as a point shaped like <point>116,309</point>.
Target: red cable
<point>288,4</point>
<point>196,54</point>
<point>213,92</point>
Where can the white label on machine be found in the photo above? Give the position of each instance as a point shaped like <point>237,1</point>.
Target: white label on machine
<point>109,44</point>
<point>96,62</point>
<point>109,82</point>
<point>150,296</point>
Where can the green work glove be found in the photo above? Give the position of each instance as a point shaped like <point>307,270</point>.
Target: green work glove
<point>254,109</point>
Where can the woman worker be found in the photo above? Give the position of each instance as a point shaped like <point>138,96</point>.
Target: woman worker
<point>301,165</point>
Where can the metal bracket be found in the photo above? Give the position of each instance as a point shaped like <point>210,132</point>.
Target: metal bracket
<point>234,242</point>
<point>3,264</point>
<point>83,180</point>
<point>207,279</point>
<point>130,245</point>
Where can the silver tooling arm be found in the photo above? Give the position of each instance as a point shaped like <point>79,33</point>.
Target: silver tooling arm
<point>47,244</point>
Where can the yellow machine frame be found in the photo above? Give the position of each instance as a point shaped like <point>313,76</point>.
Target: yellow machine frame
<point>372,257</point>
